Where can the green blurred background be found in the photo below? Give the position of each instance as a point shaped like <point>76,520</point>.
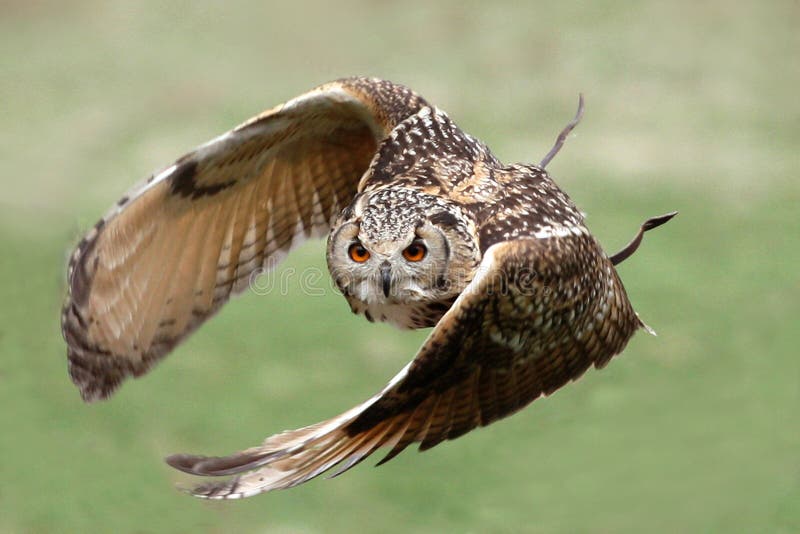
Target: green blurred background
<point>690,106</point>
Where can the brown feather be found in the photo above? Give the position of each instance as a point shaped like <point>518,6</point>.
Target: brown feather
<point>529,300</point>
<point>487,378</point>
<point>171,254</point>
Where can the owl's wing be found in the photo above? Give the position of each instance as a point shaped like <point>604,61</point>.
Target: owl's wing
<point>538,313</point>
<point>172,252</point>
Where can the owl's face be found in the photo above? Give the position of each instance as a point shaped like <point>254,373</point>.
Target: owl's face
<point>394,248</point>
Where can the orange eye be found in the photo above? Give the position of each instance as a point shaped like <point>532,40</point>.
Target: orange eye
<point>358,253</point>
<point>415,252</point>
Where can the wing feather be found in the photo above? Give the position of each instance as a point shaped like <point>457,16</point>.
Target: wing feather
<point>502,344</point>
<point>173,250</point>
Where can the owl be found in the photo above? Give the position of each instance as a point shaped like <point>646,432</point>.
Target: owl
<point>425,228</point>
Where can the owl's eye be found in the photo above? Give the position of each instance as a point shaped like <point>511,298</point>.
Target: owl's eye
<point>415,252</point>
<point>358,253</point>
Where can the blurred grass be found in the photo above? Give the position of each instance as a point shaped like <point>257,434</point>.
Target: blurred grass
<point>690,107</point>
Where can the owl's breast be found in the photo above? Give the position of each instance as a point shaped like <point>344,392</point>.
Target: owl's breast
<point>403,315</point>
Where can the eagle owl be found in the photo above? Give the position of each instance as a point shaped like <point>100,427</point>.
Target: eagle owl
<point>425,228</point>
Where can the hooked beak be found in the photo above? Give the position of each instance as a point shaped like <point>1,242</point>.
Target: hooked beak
<point>386,278</point>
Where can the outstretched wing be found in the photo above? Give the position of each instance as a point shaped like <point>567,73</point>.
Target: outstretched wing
<point>537,315</point>
<point>170,253</point>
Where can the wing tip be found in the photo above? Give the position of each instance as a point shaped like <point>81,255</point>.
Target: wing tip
<point>220,465</point>
<point>94,385</point>
<point>212,492</point>
<point>96,372</point>
<point>184,462</point>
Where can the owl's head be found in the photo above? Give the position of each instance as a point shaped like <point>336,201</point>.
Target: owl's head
<point>401,246</point>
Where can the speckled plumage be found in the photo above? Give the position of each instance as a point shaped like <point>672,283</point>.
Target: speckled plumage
<point>522,297</point>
